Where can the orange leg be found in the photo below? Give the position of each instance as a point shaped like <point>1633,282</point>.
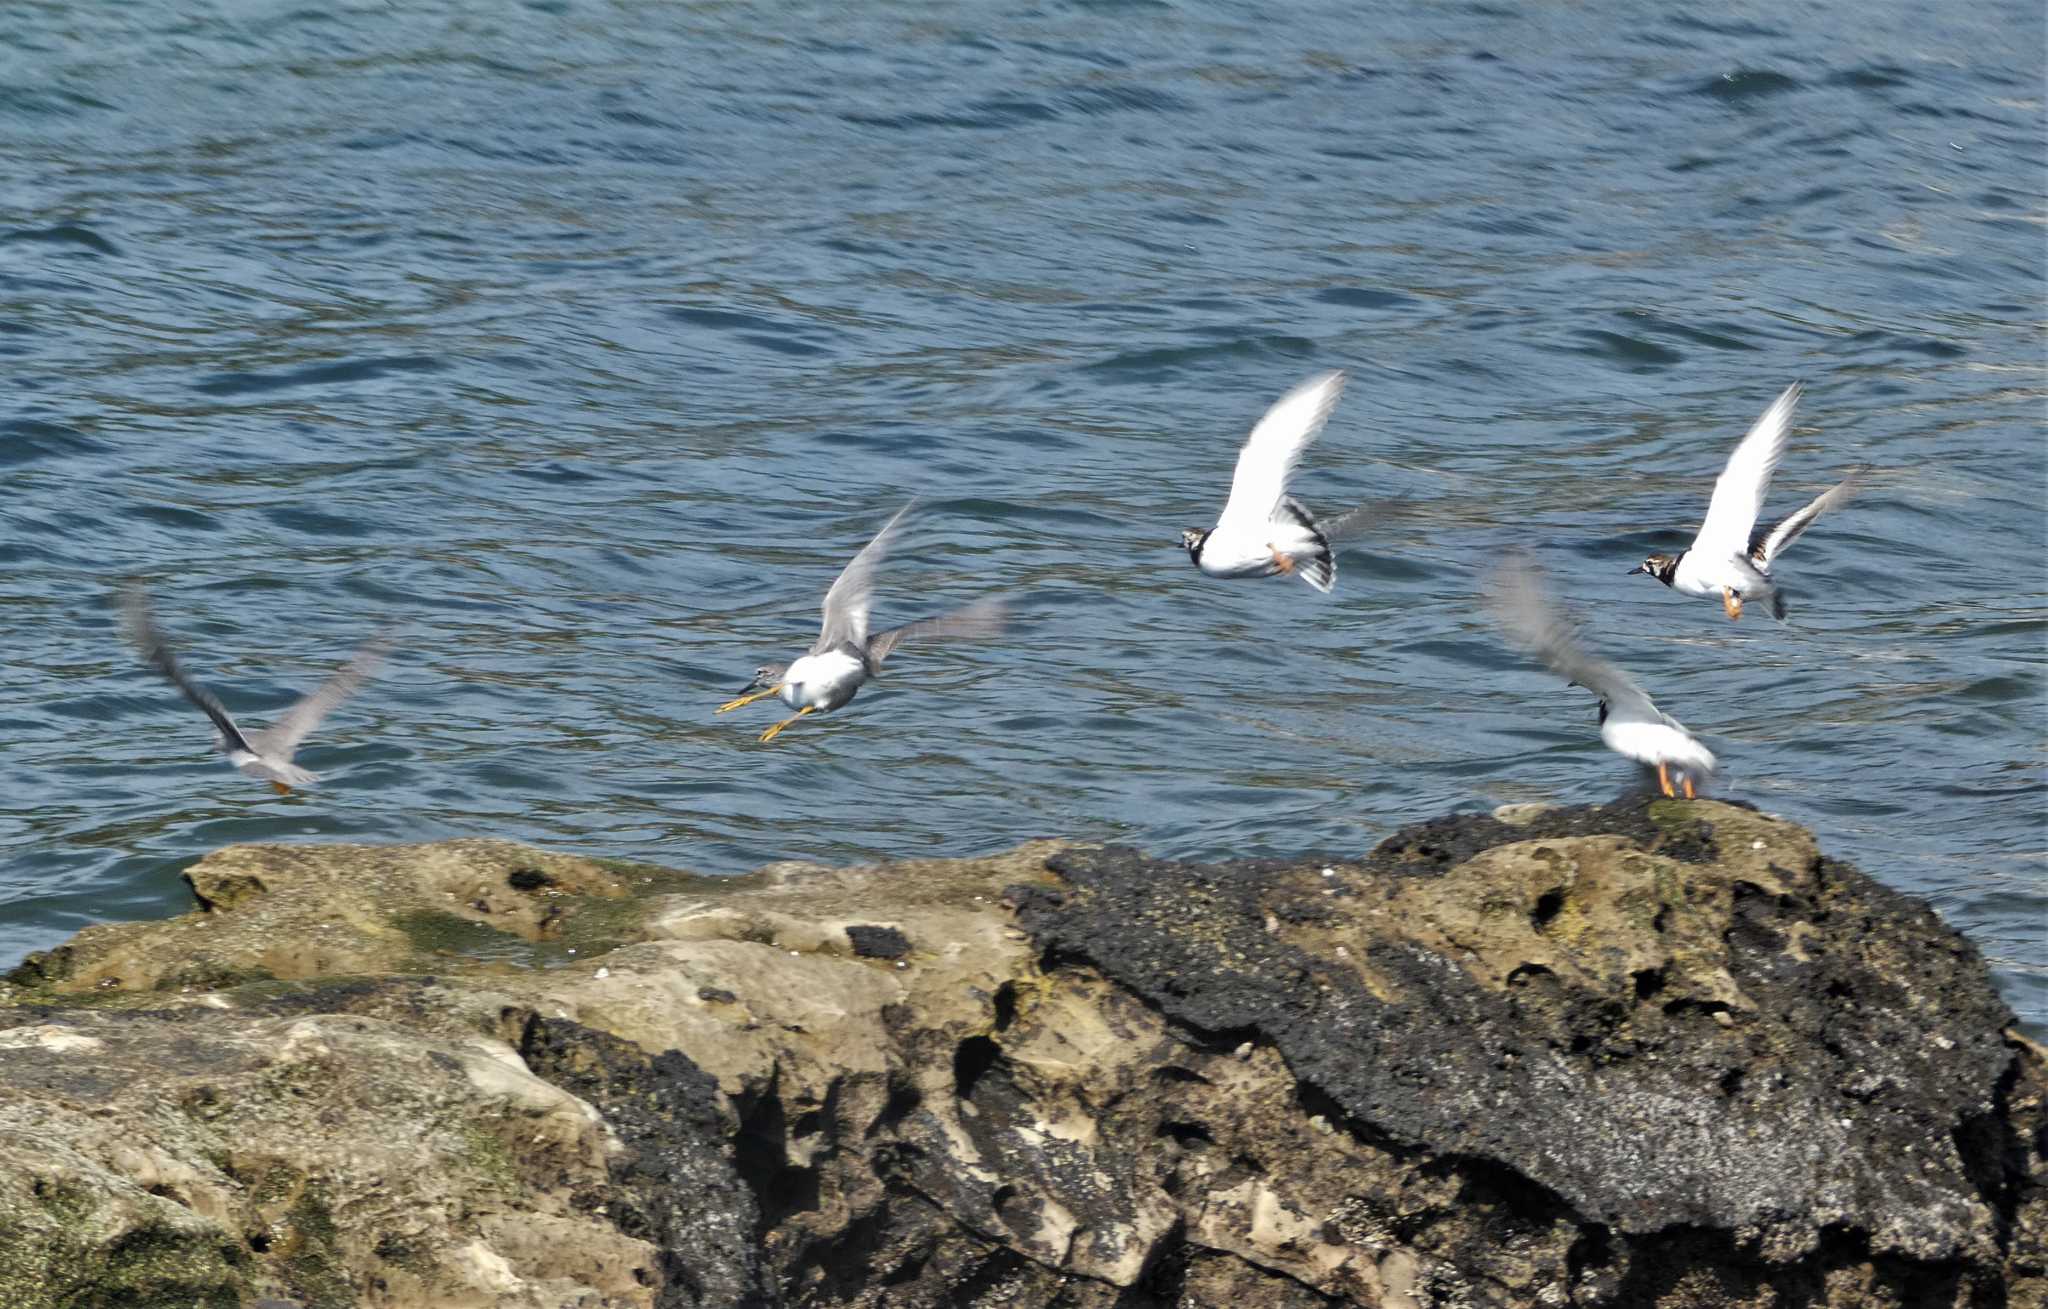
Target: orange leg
<point>1732,603</point>
<point>1664,779</point>
<point>280,787</point>
<point>1281,563</point>
<point>1687,779</point>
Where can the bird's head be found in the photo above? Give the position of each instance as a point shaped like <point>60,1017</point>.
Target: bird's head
<point>1661,567</point>
<point>766,675</point>
<point>1191,541</point>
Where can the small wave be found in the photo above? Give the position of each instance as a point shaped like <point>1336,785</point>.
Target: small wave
<point>189,520</point>
<point>1871,76</point>
<point>312,522</point>
<point>64,234</point>
<point>1118,99</point>
<point>1359,297</point>
<point>1747,84</point>
<point>25,440</point>
<point>1150,364</point>
<point>1629,351</point>
<point>354,370</point>
<point>982,115</point>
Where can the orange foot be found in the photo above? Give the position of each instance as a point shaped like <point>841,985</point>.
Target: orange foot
<point>1281,563</point>
<point>1731,602</point>
<point>1664,779</point>
<point>279,787</point>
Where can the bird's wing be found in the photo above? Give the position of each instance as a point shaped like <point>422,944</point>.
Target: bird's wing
<point>1274,447</point>
<point>281,739</point>
<point>1739,494</point>
<point>1767,543</point>
<point>140,624</point>
<point>984,618</point>
<point>1522,604</point>
<point>846,604</point>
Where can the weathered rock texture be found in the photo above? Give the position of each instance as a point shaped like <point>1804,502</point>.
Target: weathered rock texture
<point>1659,1054</point>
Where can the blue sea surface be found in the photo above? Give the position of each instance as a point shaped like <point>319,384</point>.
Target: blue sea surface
<point>586,341</point>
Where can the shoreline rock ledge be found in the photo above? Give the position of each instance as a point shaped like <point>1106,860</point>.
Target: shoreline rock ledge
<point>1653,1053</point>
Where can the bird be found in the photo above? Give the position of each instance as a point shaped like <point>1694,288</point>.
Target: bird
<point>845,656</point>
<point>1631,725</point>
<point>1731,555</point>
<point>265,754</point>
<point>1263,530</point>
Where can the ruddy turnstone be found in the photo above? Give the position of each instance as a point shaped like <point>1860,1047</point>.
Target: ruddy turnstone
<point>1263,530</point>
<point>1731,556</point>
<point>265,754</point>
<point>844,656</point>
<point>1630,723</point>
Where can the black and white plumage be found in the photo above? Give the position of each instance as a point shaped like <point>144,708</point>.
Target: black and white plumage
<point>1730,556</point>
<point>845,656</point>
<point>266,754</point>
<point>1263,530</point>
<point>1631,725</point>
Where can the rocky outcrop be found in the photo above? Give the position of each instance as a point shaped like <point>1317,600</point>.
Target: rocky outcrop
<point>1656,1053</point>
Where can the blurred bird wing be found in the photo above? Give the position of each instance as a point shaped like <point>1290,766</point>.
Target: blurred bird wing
<point>281,739</point>
<point>1274,448</point>
<point>1767,543</point>
<point>1739,494</point>
<point>846,604</point>
<point>140,624</point>
<point>1525,610</point>
<point>980,620</point>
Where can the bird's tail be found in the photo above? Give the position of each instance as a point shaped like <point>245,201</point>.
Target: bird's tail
<point>1313,562</point>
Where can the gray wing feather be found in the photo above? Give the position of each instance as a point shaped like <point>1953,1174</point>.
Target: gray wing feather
<point>982,619</point>
<point>1767,543</point>
<point>140,625</point>
<point>1522,604</point>
<point>846,604</point>
<point>281,739</point>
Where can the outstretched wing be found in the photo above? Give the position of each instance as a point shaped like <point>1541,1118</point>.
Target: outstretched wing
<point>281,739</point>
<point>140,624</point>
<point>846,604</point>
<point>1739,494</point>
<point>982,619</point>
<point>1522,604</point>
<point>1274,448</point>
<point>1767,543</point>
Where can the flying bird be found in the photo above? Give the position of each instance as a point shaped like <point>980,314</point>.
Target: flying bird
<point>845,656</point>
<point>265,754</point>
<point>1731,556</point>
<point>1631,725</point>
<point>1263,530</point>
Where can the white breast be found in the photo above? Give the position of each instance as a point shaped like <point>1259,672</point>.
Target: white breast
<point>820,680</point>
<point>1230,553</point>
<point>1656,743</point>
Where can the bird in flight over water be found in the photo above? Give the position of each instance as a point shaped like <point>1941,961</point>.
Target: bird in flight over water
<point>1731,556</point>
<point>265,754</point>
<point>1263,530</point>
<point>845,656</point>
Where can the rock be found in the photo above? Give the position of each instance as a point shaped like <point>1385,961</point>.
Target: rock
<point>1656,1053</point>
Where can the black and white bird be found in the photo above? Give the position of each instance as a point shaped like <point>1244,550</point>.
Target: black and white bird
<point>844,656</point>
<point>265,754</point>
<point>1731,556</point>
<point>1263,530</point>
<point>1630,723</point>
